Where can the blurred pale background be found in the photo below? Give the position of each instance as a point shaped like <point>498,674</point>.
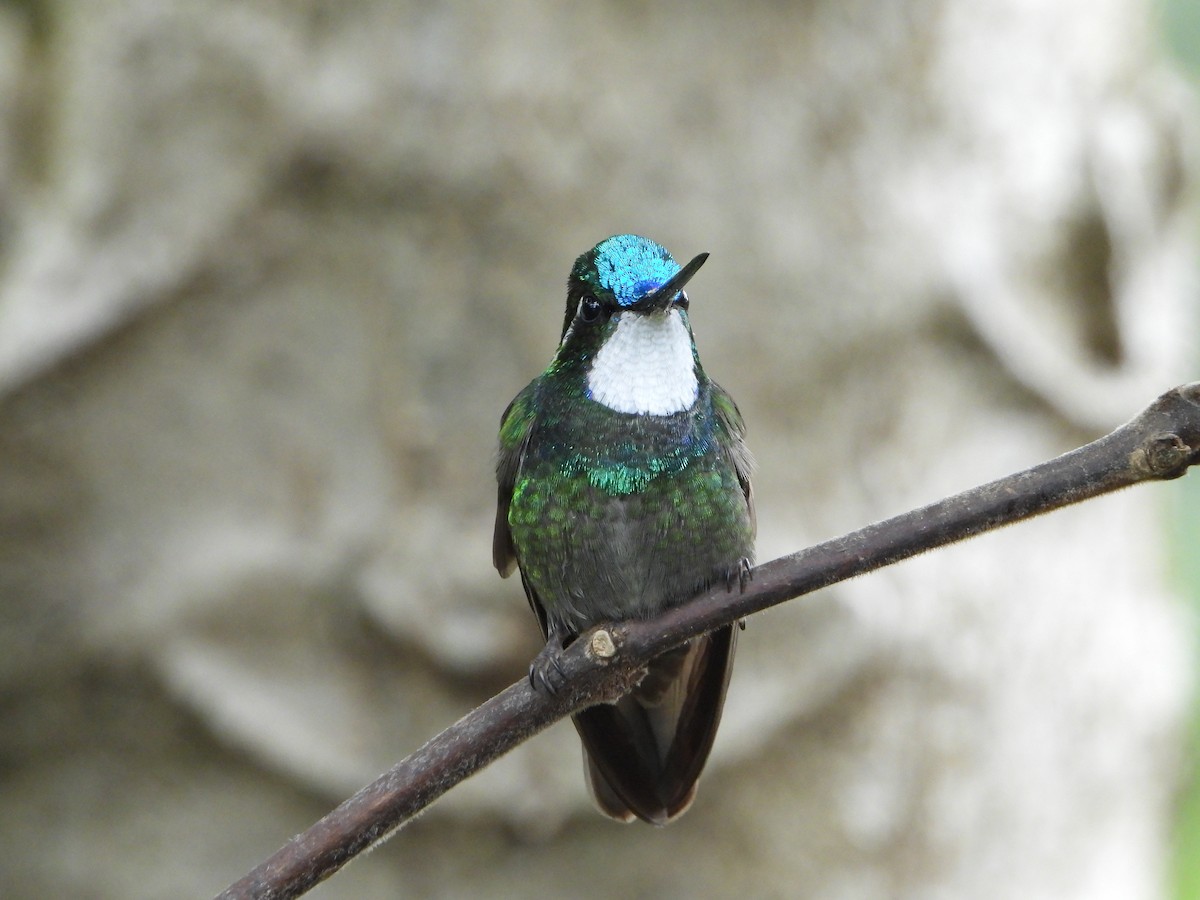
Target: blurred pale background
<point>269,272</point>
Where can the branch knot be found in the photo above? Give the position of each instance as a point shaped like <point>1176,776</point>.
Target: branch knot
<point>1164,455</point>
<point>602,645</point>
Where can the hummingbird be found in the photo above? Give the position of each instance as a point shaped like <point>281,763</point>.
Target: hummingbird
<point>624,490</point>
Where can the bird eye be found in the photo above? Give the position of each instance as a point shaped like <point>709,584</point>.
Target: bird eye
<point>590,310</point>
<point>683,301</point>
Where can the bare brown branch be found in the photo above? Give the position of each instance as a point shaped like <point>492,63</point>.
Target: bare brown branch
<point>1161,443</point>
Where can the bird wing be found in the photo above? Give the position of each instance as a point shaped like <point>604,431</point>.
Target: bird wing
<point>516,425</point>
<point>731,435</point>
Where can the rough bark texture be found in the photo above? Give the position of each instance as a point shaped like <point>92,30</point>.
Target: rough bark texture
<point>270,272</point>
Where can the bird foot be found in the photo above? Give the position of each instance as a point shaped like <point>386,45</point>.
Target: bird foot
<point>546,671</point>
<point>741,573</point>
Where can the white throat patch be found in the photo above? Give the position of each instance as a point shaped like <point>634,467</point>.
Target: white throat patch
<point>645,366</point>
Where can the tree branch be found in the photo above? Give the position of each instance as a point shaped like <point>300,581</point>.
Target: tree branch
<point>1160,443</point>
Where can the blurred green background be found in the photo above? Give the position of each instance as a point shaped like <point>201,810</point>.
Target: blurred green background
<point>1181,27</point>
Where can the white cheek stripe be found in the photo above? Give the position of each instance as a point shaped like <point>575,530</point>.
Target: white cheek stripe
<point>645,366</point>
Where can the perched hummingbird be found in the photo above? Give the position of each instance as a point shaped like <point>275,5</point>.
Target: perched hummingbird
<point>624,489</point>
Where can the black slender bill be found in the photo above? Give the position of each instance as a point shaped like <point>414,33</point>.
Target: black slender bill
<point>663,297</point>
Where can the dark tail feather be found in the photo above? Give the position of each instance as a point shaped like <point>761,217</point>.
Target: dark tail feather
<point>644,754</point>
<point>602,795</point>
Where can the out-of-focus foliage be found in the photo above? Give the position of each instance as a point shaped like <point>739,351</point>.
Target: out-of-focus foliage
<point>1187,565</point>
<point>1181,26</point>
<point>1181,29</point>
